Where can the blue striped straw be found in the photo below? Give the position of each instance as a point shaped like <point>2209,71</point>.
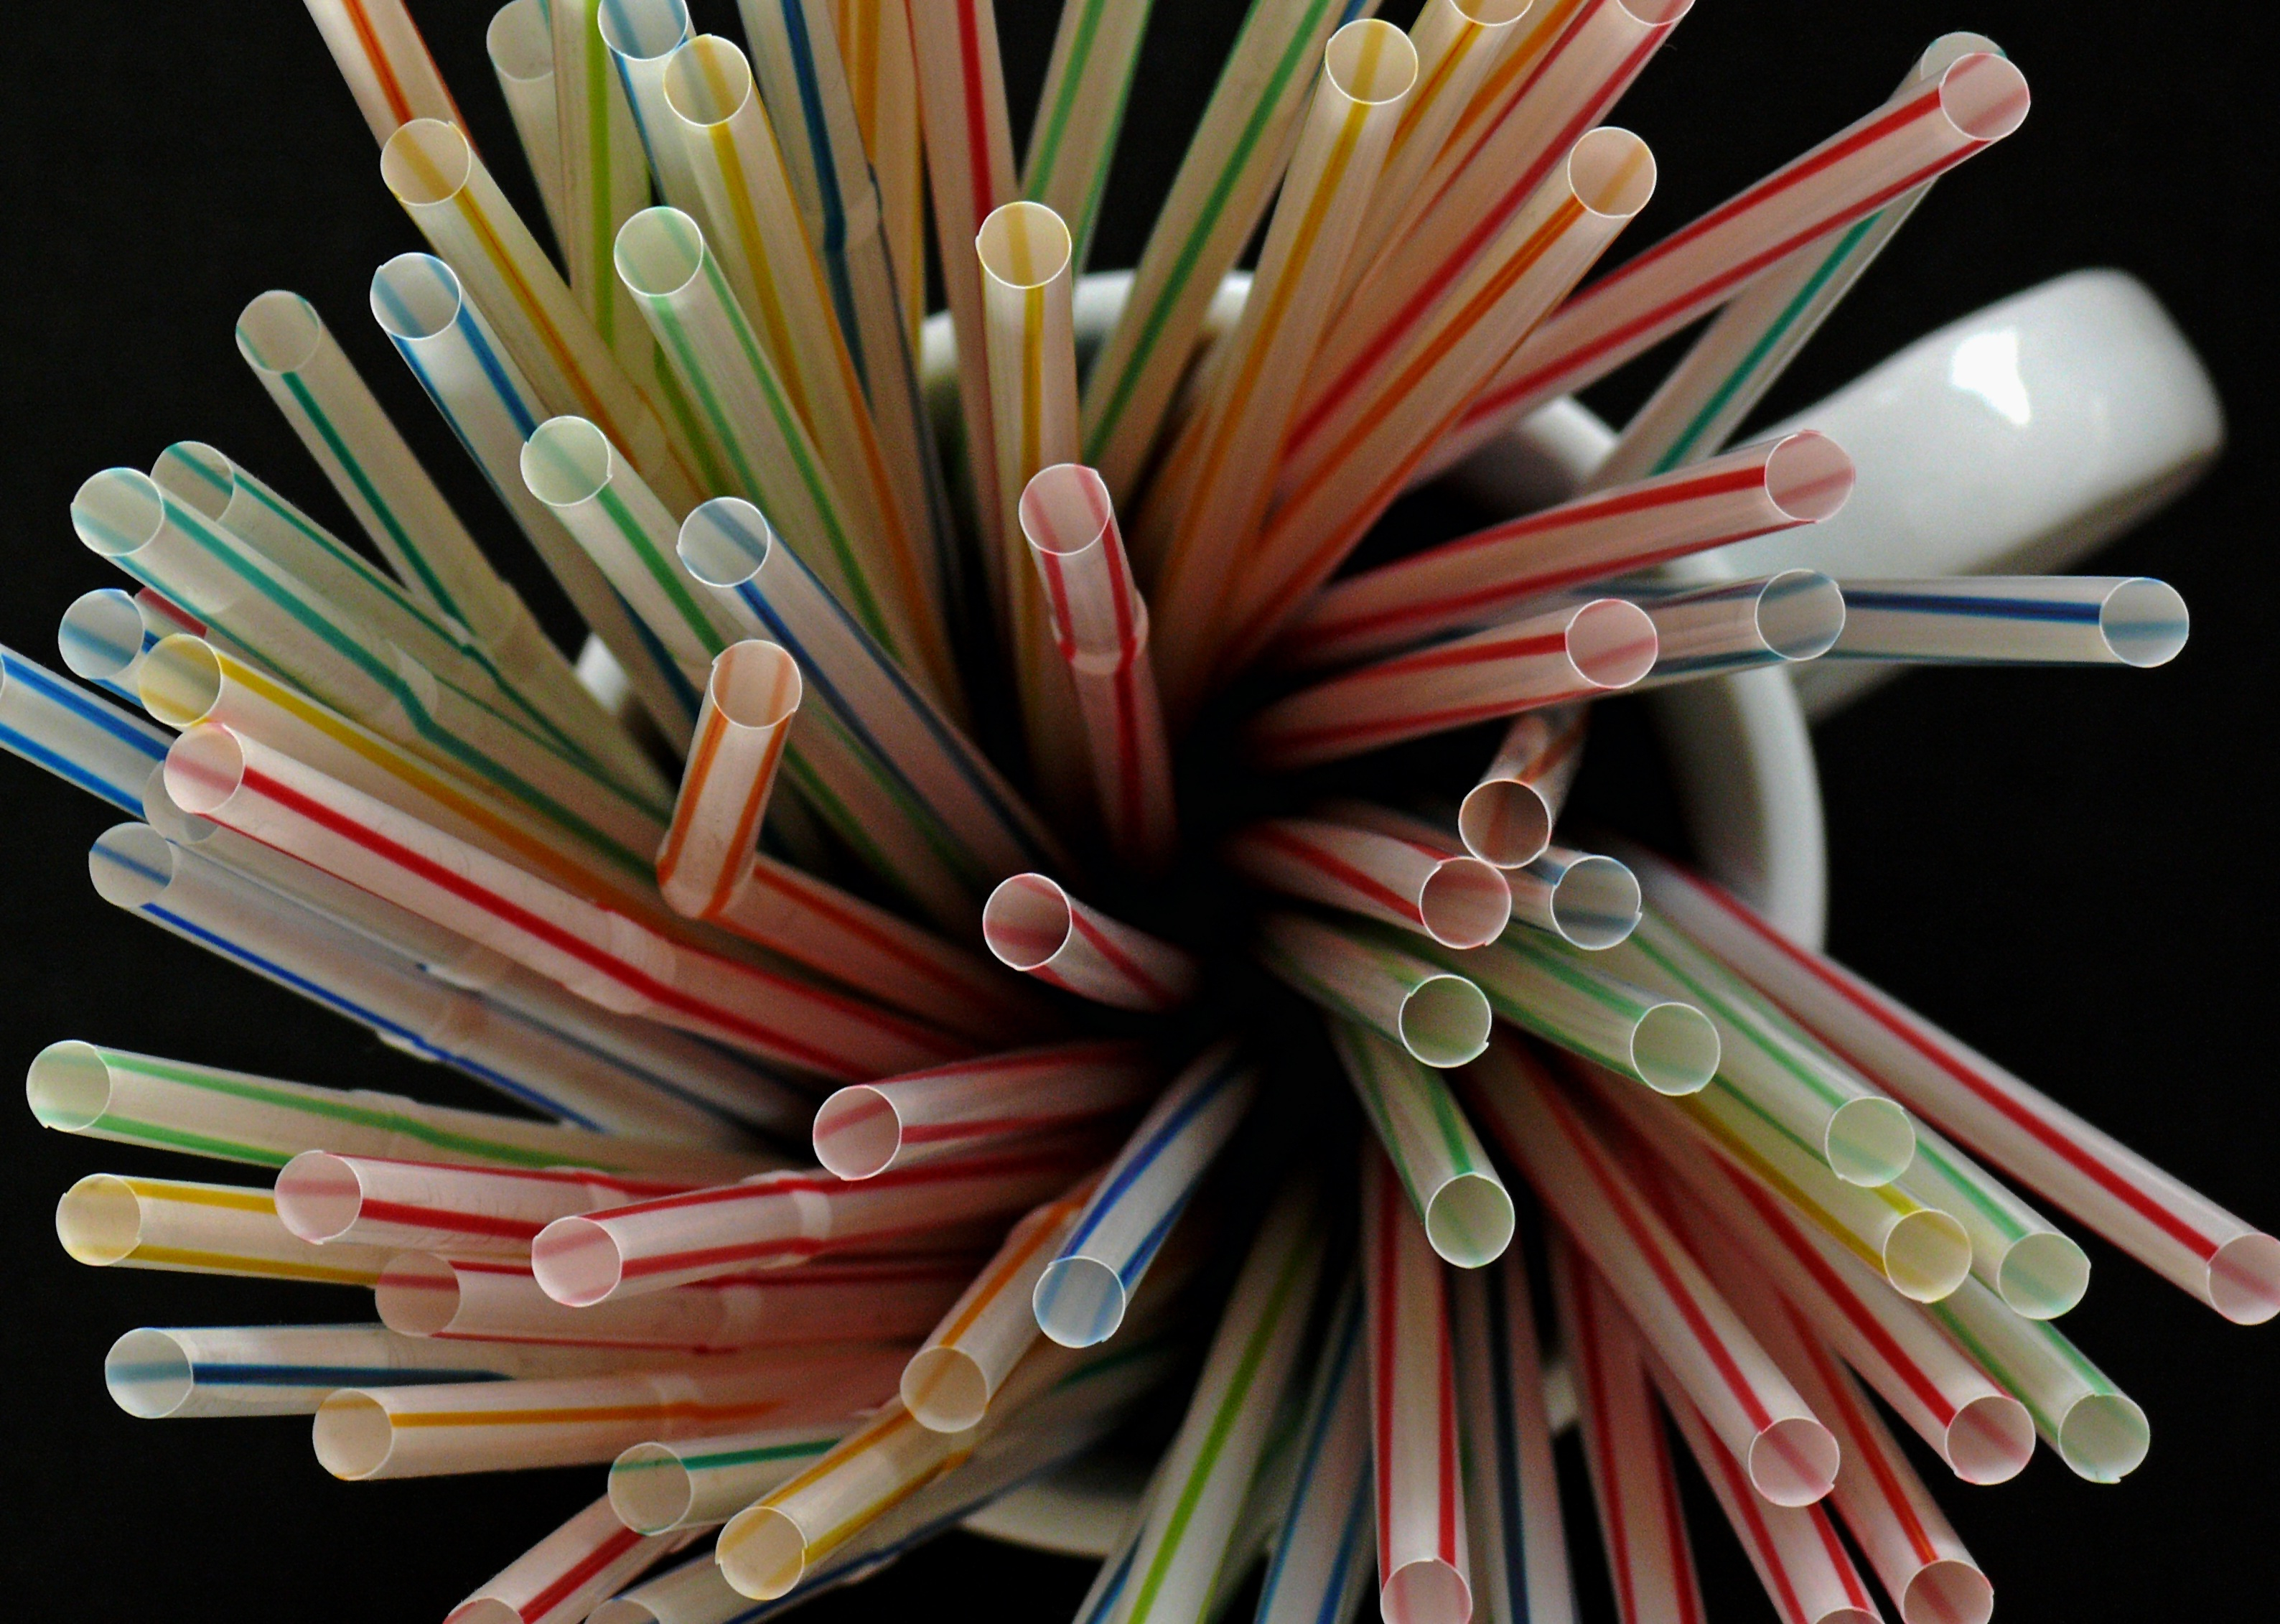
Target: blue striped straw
<point>103,640</point>
<point>1323,1555</point>
<point>82,739</point>
<point>1517,1539</point>
<point>2014,621</point>
<point>1081,1297</point>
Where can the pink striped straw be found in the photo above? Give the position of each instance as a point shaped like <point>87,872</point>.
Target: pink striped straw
<point>2170,1229</point>
<point>1573,653</point>
<point>1507,818</point>
<point>1626,1450</point>
<point>1980,99</point>
<point>1789,1456</point>
<point>499,1299</point>
<point>1427,887</point>
<point>742,727</point>
<point>781,1218</point>
<point>1424,1577</point>
<point>569,1573</point>
<point>1036,926</point>
<point>1100,624</point>
<point>596,952</point>
<point>1800,479</point>
<point>871,1128</point>
<point>436,1206</point>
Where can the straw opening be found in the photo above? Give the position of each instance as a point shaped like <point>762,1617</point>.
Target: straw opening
<point>417,1295</point>
<point>1504,823</point>
<point>755,684</point>
<point>204,768</point>
<point>659,252</point>
<point>117,512</point>
<point>725,541</point>
<point>101,634</point>
<point>1674,1048</point>
<point>353,1435</point>
<point>945,1390</point>
<point>2244,1279</point>
<point>319,1196</point>
<point>1947,1592</point>
<point>68,1086</point>
<point>1028,921</point>
<point>1066,509</point>
<point>1800,613</point>
<point>181,681</point>
<point>650,1488</point>
<point>707,81</point>
<point>1611,643</point>
<point>131,864</point>
<point>575,1262</point>
<point>519,44</point>
<point>1426,1591</point>
<point>279,332</point>
<point>1470,1221</point>
<point>1370,62</point>
<point>1869,1142</point>
<point>1612,172</point>
<point>197,476</point>
<point>1808,476</point>
<point>1926,1255</point>
<point>565,461</point>
<point>1985,96</point>
<point>1023,245</point>
<point>2042,1276</point>
<point>1491,13</point>
<point>1793,1461</point>
<point>415,297</point>
<point>857,1133</point>
<point>1654,13</point>
<point>99,1221</point>
<point>2104,1437</point>
<point>1465,903</point>
<point>1445,1021</point>
<point>1990,1440</point>
<point>762,1553</point>
<point>148,1374</point>
<point>645,32</point>
<point>1595,905</point>
<point>2145,622</point>
<point>1078,1301</point>
<point>427,162</point>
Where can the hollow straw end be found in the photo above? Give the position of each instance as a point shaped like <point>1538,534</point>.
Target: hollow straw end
<point>1426,1591</point>
<point>1674,1048</point>
<point>1947,1591</point>
<point>68,1086</point>
<point>944,1389</point>
<point>1470,1221</point>
<point>1983,96</point>
<point>1793,1462</point>
<point>857,1133</point>
<point>2244,1279</point>
<point>650,1488</point>
<point>148,1374</point>
<point>353,1436</point>
<point>1079,1302</point>
<point>762,1553</point>
<point>1990,1439</point>
<point>576,1262</point>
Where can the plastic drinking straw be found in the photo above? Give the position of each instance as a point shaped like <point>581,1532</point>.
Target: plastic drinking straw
<point>969,160</point>
<point>2014,621</point>
<point>749,701</point>
<point>1033,925</point>
<point>441,1207</point>
<point>781,1218</point>
<point>491,406</point>
<point>161,618</point>
<point>281,941</point>
<point>1772,620</point>
<point>111,1220</point>
<point>1978,101</point>
<point>640,37</point>
<point>881,75</point>
<point>77,1088</point>
<point>1789,1457</point>
<point>458,208</point>
<point>1748,346</point>
<point>1507,818</point>
<point>604,173</point>
<point>701,1483</point>
<point>1588,901</point>
<point>1423,1572</point>
<point>1199,526</point>
<point>2097,1429</point>
<point>561,1579</point>
<point>607,957</point>
<point>1633,1487</point>
<point>520,42</point>
<point>1571,652</point>
<point>2104,1185</point>
<point>1459,1198</point>
<point>1223,186</point>
<point>1514,1529</point>
<point>1435,1017</point>
<point>1082,1296</point>
<point>1101,625</point>
<point>83,740</point>
<point>175,1373</point>
<point>871,1128</point>
<point>1250,1532</point>
<point>1319,1561</point>
<point>102,641</point>
<point>1809,1575</point>
<point>386,63</point>
<point>365,1434</point>
<point>1088,81</point>
<point>1421,887</point>
<point>730,547</point>
<point>1799,479</point>
<point>2017,1253</point>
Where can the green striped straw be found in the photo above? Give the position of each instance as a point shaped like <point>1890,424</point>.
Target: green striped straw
<point>1087,84</point>
<point>1466,1210</point>
<point>2039,1272</point>
<point>2097,1429</point>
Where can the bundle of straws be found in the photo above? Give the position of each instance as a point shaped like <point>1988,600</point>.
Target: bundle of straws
<point>856,826</point>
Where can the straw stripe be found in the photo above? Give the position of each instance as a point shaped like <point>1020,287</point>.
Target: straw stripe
<point>80,739</point>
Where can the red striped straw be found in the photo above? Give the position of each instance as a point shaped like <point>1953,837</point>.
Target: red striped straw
<point>1642,1526</point>
<point>569,1573</point>
<point>1507,817</point>
<point>443,1207</point>
<point>751,698</point>
<point>378,51</point>
<point>1573,653</point>
<point>1100,625</point>
<point>1424,1577</point>
<point>871,1128</point>
<point>595,952</point>
<point>1427,887</point>
<point>782,1219</point>
<point>1788,1454</point>
<point>2172,1229</point>
<point>1980,99</point>
<point>1036,926</point>
<point>1489,575</point>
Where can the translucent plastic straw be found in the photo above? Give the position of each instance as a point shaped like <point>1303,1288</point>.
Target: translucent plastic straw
<point>1101,625</point>
<point>1978,101</point>
<point>440,1207</point>
<point>604,173</point>
<point>1033,925</point>
<point>782,1219</point>
<point>1081,1296</point>
<point>2097,1429</point>
<point>640,37</point>
<point>520,44</point>
<point>1628,1452</point>
<point>386,63</point>
<point>2017,1253</point>
<point>1799,479</point>
<point>1343,469</point>
<point>1459,901</point>
<point>699,1482</point>
<point>1586,900</point>
<point>365,1434</point>
<point>1223,186</point>
<point>1760,1421</point>
<point>491,405</point>
<point>1458,1195</point>
<point>1438,1018</point>
<point>458,208</point>
<point>750,702</point>
<point>102,640</point>
<point>1747,346</point>
<point>1423,1572</point>
<point>871,1128</point>
<point>77,1088</point>
<point>1572,652</point>
<point>2106,1187</point>
<point>1321,1555</point>
<point>1095,48</point>
<point>2014,621</point>
<point>1198,527</point>
<point>109,1220</point>
<point>175,1372</point>
<point>1512,1495</point>
<point>874,49</point>
<point>82,739</point>
<point>1774,621</point>
<point>561,1579</point>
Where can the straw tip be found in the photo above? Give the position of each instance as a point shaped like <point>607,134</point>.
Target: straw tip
<point>945,1389</point>
<point>1079,1302</point>
<point>762,1553</point>
<point>1793,1462</point>
<point>2244,1279</point>
<point>576,1262</point>
<point>1426,1591</point>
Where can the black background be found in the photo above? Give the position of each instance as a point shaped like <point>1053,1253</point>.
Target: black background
<point>2073,870</point>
